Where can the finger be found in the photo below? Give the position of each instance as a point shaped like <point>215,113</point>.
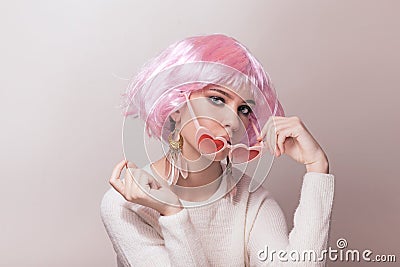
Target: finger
<point>277,125</point>
<point>278,135</point>
<point>162,182</point>
<point>138,182</point>
<point>118,169</point>
<point>157,178</point>
<point>271,137</point>
<point>129,177</point>
<point>131,165</point>
<point>265,132</point>
<point>148,185</point>
<point>151,182</point>
<point>142,182</point>
<point>264,129</point>
<point>133,189</point>
<point>271,120</point>
<point>270,131</point>
<point>115,180</point>
<point>282,135</point>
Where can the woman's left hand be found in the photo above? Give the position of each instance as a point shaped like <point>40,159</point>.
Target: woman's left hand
<point>288,135</point>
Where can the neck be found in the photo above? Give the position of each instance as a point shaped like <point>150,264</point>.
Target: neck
<point>201,171</point>
<point>202,177</point>
<point>194,178</point>
<point>199,185</point>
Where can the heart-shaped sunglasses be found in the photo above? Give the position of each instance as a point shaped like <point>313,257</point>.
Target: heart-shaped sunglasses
<point>210,145</point>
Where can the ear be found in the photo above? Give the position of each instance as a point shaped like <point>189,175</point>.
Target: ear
<point>176,116</point>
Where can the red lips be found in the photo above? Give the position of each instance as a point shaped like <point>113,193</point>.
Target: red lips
<point>218,143</point>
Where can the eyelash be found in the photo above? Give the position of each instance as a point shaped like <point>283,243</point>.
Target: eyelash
<point>213,99</point>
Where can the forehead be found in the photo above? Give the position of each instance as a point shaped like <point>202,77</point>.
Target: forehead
<point>242,94</point>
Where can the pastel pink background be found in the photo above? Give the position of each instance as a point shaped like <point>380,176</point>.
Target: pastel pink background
<point>335,64</point>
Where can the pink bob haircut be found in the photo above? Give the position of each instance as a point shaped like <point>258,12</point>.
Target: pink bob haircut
<point>154,107</point>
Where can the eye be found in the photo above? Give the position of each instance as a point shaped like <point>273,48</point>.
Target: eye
<point>245,110</point>
<point>216,100</point>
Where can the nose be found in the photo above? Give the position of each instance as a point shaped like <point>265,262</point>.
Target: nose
<point>231,121</point>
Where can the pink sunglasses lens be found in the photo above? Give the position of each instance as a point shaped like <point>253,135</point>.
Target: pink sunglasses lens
<point>253,154</point>
<point>241,155</point>
<point>209,145</point>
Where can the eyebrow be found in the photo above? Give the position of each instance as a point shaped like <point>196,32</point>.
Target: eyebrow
<point>250,101</point>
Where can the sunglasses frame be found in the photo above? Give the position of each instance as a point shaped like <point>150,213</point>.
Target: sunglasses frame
<point>203,133</point>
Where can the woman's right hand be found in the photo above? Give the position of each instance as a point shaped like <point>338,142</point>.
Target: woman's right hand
<point>136,181</point>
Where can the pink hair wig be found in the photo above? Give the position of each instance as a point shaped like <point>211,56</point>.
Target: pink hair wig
<point>154,107</point>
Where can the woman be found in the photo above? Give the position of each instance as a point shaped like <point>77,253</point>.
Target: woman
<point>211,100</point>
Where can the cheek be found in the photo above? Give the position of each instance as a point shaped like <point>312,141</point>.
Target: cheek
<point>212,124</point>
<point>188,132</point>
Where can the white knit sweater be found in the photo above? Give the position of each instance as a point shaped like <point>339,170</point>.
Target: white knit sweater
<point>222,233</point>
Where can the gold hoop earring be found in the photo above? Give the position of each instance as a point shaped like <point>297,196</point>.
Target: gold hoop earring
<point>175,144</point>
<point>175,159</point>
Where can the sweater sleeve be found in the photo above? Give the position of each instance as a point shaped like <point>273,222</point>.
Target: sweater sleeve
<point>269,243</point>
<point>170,241</point>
